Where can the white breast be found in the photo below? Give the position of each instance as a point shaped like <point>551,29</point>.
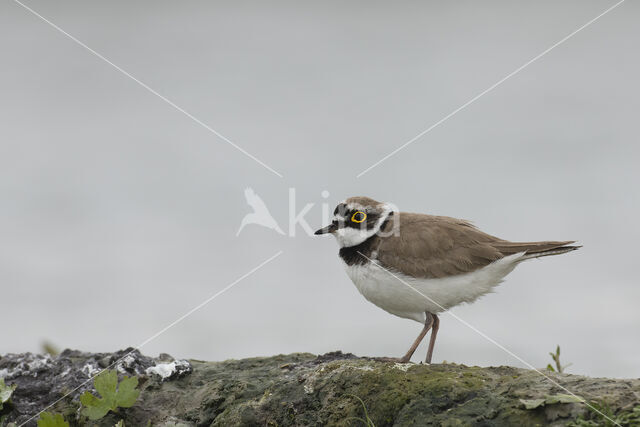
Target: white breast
<point>396,297</point>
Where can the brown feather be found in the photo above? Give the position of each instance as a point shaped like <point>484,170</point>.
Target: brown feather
<point>438,246</point>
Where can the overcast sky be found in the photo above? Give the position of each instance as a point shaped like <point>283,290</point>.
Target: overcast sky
<point>118,213</point>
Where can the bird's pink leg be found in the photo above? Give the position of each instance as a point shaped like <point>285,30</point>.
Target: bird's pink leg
<point>427,325</point>
<point>407,357</point>
<point>432,340</point>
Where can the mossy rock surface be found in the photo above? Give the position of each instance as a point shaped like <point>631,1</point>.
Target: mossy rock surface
<point>307,390</point>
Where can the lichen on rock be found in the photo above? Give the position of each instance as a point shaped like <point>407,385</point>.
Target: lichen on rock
<point>303,389</point>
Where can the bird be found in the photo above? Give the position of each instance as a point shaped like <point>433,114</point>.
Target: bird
<point>260,214</point>
<point>417,266</point>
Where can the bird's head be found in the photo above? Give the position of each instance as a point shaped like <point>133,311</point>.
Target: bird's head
<point>357,219</point>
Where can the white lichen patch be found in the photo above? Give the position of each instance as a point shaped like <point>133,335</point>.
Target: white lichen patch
<point>39,362</point>
<point>127,363</point>
<point>26,365</point>
<point>90,369</point>
<point>362,368</point>
<point>404,367</point>
<point>331,370</point>
<point>167,370</point>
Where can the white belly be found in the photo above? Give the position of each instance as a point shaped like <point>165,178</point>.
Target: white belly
<point>433,295</point>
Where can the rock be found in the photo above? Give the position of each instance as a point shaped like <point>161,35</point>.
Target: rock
<point>170,370</point>
<point>303,389</point>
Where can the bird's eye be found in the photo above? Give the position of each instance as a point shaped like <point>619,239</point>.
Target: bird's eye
<point>358,217</point>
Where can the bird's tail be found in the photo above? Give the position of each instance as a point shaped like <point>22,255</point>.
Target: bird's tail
<point>536,249</point>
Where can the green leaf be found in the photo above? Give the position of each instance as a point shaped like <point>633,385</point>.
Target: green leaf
<point>5,392</point>
<point>87,399</point>
<point>106,383</point>
<point>550,368</point>
<point>94,408</point>
<point>127,394</point>
<point>52,420</point>
<point>113,395</point>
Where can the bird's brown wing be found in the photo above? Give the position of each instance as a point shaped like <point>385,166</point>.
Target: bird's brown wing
<point>437,246</point>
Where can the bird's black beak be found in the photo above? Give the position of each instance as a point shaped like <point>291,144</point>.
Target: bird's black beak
<point>328,229</point>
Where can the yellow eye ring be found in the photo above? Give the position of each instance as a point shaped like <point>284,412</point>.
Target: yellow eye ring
<point>358,217</point>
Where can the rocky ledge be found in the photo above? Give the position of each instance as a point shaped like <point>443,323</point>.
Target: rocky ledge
<point>307,390</point>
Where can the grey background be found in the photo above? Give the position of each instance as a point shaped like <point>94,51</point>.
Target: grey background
<point>118,214</point>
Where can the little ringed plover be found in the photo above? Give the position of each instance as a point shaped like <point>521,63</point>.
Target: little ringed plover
<point>447,260</point>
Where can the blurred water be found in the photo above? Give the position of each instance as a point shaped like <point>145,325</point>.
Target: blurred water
<point>118,214</point>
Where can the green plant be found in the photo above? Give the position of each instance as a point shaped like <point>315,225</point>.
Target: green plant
<point>556,358</point>
<point>5,392</point>
<point>50,349</point>
<point>48,419</point>
<point>114,395</point>
<point>595,419</point>
<point>366,420</point>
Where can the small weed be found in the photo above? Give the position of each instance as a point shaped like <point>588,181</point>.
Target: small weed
<point>366,420</point>
<point>5,392</point>
<point>114,395</point>
<point>595,419</point>
<point>49,348</point>
<point>556,358</point>
<point>5,396</point>
<point>48,419</point>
